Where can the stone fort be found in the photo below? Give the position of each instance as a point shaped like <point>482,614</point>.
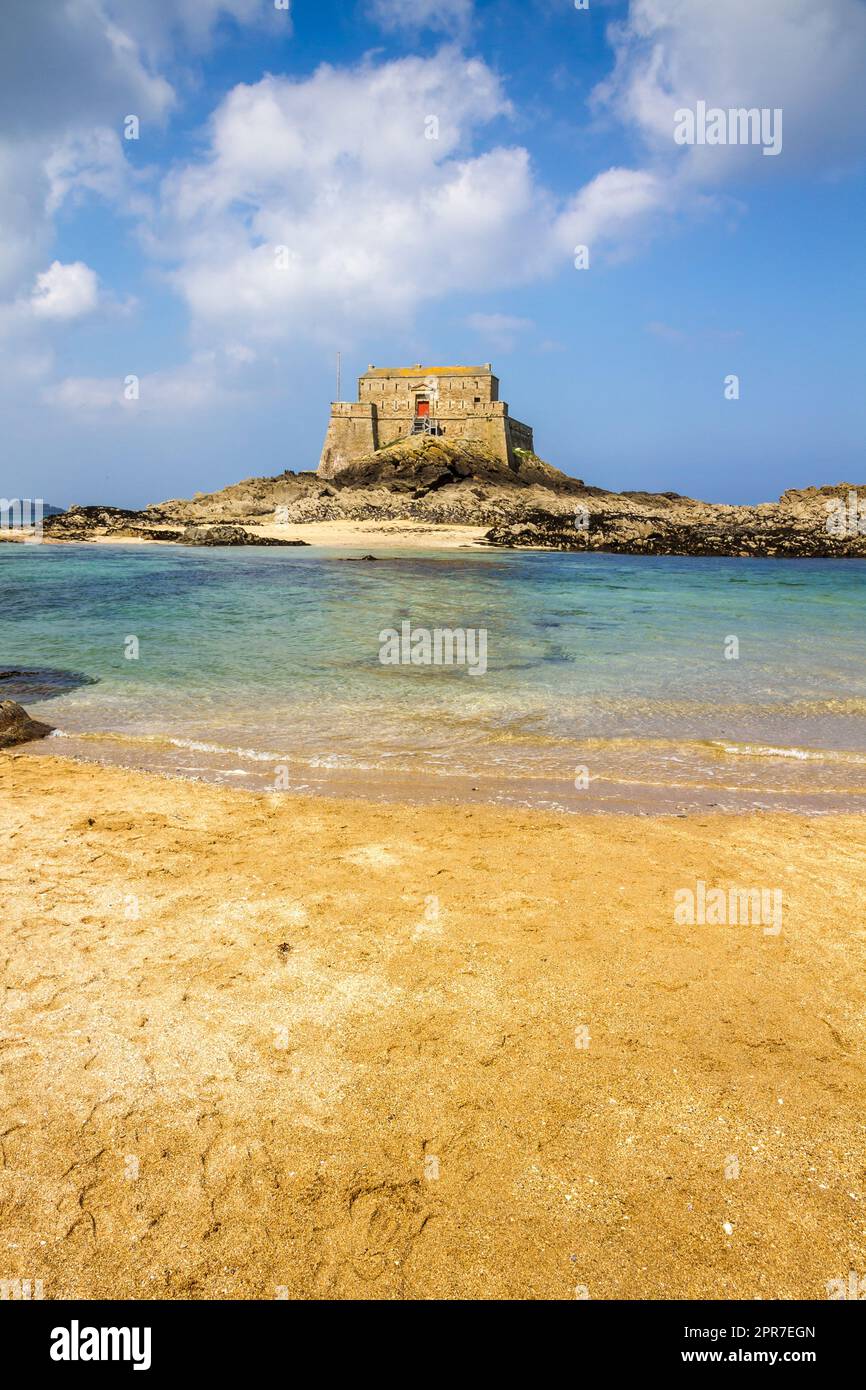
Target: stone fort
<point>396,402</point>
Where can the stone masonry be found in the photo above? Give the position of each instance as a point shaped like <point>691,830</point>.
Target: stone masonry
<point>396,402</point>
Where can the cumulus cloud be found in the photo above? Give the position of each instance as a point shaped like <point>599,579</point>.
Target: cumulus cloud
<point>70,73</point>
<point>65,291</point>
<point>805,58</point>
<point>322,204</point>
<point>58,296</point>
<point>316,206</point>
<point>612,205</point>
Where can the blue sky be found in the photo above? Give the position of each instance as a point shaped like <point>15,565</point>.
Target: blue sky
<point>308,129</point>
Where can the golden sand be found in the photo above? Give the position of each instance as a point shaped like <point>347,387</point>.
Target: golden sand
<point>380,535</point>
<point>257,1047</point>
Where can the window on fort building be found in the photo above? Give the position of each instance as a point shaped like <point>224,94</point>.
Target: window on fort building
<point>477,400</point>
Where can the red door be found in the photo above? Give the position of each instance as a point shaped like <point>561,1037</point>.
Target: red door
<point>422,407</point>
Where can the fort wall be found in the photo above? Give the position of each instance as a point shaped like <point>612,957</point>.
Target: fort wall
<point>393,403</point>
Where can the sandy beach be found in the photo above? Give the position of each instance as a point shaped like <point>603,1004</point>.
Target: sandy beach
<point>268,1046</point>
<point>392,535</point>
<point>389,535</point>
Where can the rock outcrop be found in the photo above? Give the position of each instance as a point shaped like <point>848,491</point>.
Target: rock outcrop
<point>460,482</point>
<point>800,524</point>
<point>81,524</point>
<point>229,535</point>
<point>16,726</point>
<point>422,478</point>
<point>255,500</point>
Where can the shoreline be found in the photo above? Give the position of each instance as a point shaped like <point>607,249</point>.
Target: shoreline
<point>387,535</point>
<point>556,536</point>
<point>256,1044</point>
<point>606,795</point>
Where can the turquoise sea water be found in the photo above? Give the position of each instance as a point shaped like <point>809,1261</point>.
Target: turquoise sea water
<point>256,659</point>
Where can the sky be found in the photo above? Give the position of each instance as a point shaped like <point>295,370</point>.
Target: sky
<point>203,201</point>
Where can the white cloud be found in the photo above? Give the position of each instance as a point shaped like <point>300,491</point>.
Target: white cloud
<point>447,16</point>
<point>65,291</point>
<point>58,296</point>
<point>70,64</point>
<point>206,380</point>
<point>86,393</point>
<point>159,26</point>
<point>89,161</point>
<point>70,71</point>
<point>66,70</point>
<point>367,121</point>
<point>612,205</point>
<point>321,204</point>
<point>804,57</point>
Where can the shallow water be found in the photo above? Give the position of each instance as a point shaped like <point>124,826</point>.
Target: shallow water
<point>263,664</point>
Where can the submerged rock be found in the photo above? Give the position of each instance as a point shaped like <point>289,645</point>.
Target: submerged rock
<point>40,682</point>
<point>16,726</point>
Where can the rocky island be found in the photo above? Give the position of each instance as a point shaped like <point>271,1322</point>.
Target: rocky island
<point>433,455</point>
<point>432,483</point>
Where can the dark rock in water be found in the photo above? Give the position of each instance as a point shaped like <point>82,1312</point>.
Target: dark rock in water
<point>40,682</point>
<point>229,535</point>
<point>16,726</point>
<point>358,559</point>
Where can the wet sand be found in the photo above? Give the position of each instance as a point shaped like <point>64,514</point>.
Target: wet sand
<point>270,1046</point>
